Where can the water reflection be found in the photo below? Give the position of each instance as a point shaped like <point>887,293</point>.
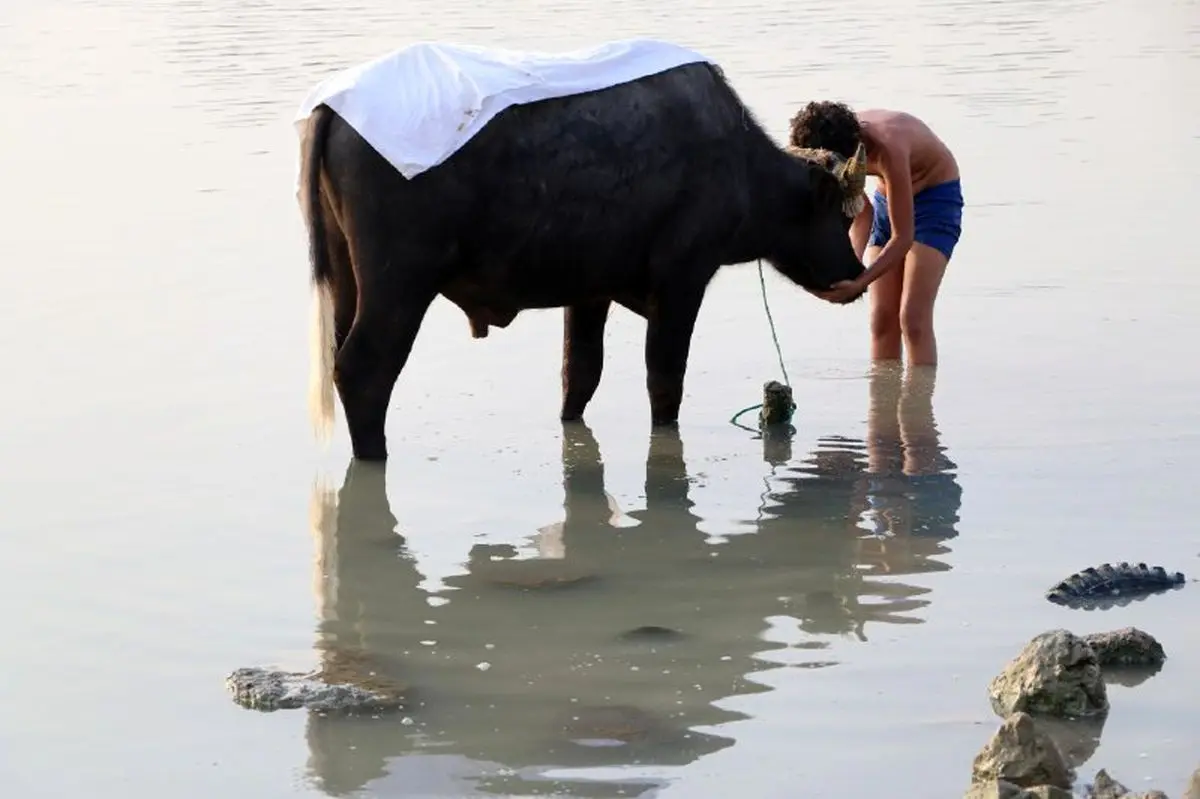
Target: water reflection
<point>612,647</point>
<point>911,487</point>
<point>886,506</point>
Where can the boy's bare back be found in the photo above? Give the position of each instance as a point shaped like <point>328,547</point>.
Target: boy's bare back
<point>930,160</point>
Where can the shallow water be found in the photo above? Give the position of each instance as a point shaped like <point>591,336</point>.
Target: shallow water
<point>838,619</point>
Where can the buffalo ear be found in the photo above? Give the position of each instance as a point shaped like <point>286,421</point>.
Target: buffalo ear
<point>852,174</point>
<point>827,187</point>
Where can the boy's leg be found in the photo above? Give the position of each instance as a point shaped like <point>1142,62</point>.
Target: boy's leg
<point>924,268</point>
<point>884,297</point>
<point>937,215</point>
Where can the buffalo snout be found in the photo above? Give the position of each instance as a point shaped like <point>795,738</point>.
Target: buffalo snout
<point>830,257</point>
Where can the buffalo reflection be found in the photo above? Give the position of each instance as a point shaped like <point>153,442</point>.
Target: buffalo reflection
<point>609,649</point>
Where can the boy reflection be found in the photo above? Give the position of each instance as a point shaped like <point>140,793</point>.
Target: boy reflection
<point>910,486</point>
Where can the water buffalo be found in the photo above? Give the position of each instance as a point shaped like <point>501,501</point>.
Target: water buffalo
<point>634,194</point>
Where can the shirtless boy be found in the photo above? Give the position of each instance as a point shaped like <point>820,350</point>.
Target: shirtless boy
<point>910,230</point>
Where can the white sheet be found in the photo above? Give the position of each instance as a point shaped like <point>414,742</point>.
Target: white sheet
<point>417,105</point>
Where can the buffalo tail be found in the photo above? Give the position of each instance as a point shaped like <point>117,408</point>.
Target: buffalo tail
<point>321,330</point>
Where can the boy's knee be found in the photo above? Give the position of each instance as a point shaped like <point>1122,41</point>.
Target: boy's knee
<point>884,325</point>
<point>915,324</point>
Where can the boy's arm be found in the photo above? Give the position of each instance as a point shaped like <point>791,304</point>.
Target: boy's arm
<point>897,177</point>
<point>860,228</point>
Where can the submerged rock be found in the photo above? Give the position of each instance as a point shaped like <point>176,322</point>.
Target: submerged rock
<point>1021,754</point>
<point>1127,646</point>
<point>344,684</point>
<point>267,689</point>
<point>1056,674</point>
<point>651,632</point>
<point>609,725</point>
<point>535,574</point>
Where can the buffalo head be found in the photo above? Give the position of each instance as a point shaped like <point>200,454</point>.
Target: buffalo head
<point>824,193</point>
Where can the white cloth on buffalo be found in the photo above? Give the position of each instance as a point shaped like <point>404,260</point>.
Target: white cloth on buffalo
<point>419,104</point>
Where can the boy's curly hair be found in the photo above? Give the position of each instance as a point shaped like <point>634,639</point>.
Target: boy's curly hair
<point>828,126</point>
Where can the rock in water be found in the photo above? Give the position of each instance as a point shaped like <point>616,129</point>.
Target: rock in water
<point>1128,646</point>
<point>999,789</point>
<point>1101,587</point>
<point>995,789</point>
<point>1021,754</point>
<point>778,406</point>
<point>267,689</point>
<point>1056,674</point>
<point>1046,792</point>
<point>1077,739</point>
<point>1105,787</point>
<point>651,632</point>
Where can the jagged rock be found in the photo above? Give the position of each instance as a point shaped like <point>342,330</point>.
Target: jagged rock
<point>1106,787</point>
<point>342,685</point>
<point>1127,646</point>
<point>1021,754</point>
<point>1056,674</point>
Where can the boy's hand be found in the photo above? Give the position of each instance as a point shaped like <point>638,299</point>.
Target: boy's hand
<point>843,292</point>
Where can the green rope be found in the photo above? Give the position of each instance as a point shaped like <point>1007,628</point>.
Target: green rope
<point>770,321</point>
<point>762,283</point>
<point>734,420</point>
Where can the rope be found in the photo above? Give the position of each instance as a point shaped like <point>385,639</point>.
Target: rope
<point>771,321</point>
<point>762,283</point>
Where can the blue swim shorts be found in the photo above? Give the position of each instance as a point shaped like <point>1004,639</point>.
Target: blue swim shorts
<point>937,217</point>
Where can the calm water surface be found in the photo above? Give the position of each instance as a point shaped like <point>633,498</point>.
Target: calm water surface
<point>841,599</point>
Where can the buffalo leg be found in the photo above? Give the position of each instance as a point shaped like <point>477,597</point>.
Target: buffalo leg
<point>367,367</point>
<point>583,356</point>
<point>670,320</point>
